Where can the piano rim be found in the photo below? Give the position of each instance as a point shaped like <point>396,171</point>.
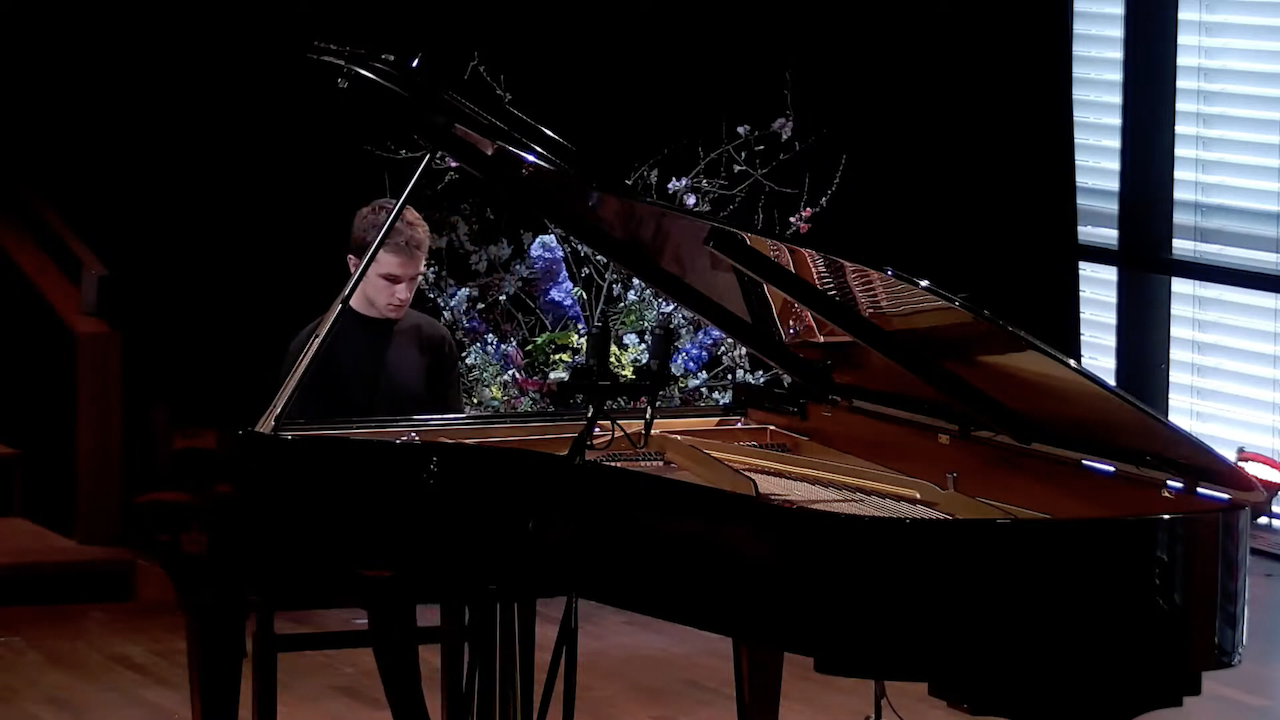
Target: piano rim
<point>571,419</point>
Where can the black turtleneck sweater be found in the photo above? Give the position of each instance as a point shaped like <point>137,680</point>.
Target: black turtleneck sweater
<point>376,367</point>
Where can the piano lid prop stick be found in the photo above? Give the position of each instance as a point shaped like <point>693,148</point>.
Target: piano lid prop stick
<point>268,421</point>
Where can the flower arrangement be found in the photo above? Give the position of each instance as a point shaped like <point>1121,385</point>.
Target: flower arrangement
<point>520,300</point>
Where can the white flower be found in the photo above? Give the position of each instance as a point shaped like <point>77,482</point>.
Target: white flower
<point>782,125</point>
<point>499,252</point>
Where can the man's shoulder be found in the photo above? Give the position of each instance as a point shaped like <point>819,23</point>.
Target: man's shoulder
<point>426,326</point>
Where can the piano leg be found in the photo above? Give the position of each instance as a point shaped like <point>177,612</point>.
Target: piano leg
<point>215,658</point>
<point>395,650</point>
<point>265,665</point>
<point>757,679</point>
<point>877,707</point>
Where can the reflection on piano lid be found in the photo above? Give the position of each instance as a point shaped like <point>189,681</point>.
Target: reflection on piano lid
<point>864,336</point>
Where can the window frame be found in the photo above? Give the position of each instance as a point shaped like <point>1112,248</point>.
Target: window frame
<point>1143,256</point>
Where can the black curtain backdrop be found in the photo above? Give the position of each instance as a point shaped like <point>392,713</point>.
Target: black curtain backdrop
<point>178,146</point>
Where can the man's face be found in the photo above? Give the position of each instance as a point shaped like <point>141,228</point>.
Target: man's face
<point>389,284</point>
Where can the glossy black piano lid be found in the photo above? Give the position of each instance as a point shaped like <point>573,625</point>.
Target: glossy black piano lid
<point>889,339</point>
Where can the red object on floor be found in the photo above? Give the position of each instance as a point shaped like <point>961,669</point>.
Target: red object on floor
<point>1244,456</point>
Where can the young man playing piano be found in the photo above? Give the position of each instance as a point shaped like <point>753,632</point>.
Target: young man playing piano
<point>384,359</point>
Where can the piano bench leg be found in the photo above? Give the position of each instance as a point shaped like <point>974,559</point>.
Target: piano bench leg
<point>526,641</point>
<point>215,657</point>
<point>454,701</point>
<point>395,651</point>
<point>757,679</point>
<point>263,665</point>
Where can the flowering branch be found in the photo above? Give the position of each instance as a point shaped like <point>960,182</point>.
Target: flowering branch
<point>520,299</point>
<point>751,158</point>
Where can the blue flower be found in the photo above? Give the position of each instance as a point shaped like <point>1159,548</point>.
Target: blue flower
<point>691,356</point>
<point>460,312</point>
<point>512,358</point>
<point>551,282</point>
<point>475,326</point>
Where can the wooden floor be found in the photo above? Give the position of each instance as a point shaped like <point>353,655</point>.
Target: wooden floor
<point>127,662</point>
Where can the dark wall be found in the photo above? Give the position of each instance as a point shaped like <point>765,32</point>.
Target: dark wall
<point>185,156</point>
<point>37,400</point>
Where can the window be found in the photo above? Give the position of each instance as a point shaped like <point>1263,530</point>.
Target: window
<point>1098,320</point>
<point>1227,142</point>
<point>1224,371</point>
<point>1225,341</point>
<point>1097,66</point>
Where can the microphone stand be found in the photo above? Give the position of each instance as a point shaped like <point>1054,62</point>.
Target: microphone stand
<point>598,384</point>
<point>659,373</point>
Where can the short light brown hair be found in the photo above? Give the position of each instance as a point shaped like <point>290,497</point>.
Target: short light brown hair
<point>410,234</point>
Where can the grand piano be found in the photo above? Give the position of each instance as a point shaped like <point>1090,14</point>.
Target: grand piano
<point>935,497</point>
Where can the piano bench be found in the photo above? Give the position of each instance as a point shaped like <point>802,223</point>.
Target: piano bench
<point>397,662</point>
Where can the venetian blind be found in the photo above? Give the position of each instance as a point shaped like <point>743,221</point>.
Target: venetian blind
<point>1097,66</point>
<point>1098,320</point>
<point>1225,342</point>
